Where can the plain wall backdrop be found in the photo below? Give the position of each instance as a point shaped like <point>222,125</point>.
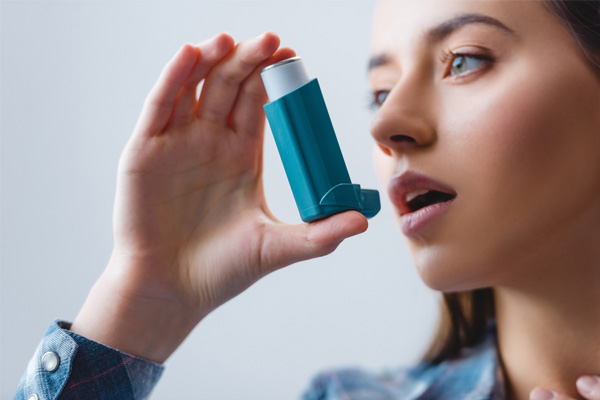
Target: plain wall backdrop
<point>74,76</point>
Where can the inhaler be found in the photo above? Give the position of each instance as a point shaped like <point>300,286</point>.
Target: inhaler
<point>308,147</point>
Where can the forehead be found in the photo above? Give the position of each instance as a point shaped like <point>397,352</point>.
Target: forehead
<point>401,24</point>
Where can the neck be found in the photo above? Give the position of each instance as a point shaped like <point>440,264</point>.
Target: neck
<point>549,321</point>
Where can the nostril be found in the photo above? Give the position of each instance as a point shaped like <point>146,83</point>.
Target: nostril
<point>402,138</point>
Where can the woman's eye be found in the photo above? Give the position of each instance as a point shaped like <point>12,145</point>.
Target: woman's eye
<point>462,63</point>
<point>378,98</point>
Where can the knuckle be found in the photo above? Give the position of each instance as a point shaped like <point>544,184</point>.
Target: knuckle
<point>262,253</point>
<point>158,102</point>
<point>254,93</point>
<point>237,69</point>
<point>313,243</point>
<point>229,79</point>
<point>246,61</point>
<point>249,54</point>
<point>213,116</point>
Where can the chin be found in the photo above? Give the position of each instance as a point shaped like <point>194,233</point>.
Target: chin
<point>444,276</point>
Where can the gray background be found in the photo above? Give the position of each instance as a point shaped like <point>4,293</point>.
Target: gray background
<point>74,76</point>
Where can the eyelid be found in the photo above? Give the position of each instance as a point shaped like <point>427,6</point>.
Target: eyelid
<point>473,51</point>
<point>449,56</point>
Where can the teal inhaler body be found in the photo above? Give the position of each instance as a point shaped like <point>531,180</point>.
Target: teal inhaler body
<point>308,147</point>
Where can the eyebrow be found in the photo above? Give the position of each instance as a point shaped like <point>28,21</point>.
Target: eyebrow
<point>443,30</point>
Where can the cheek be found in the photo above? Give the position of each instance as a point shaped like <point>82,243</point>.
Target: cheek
<point>522,151</point>
<point>536,143</point>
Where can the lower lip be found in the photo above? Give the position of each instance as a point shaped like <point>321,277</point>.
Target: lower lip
<point>415,221</point>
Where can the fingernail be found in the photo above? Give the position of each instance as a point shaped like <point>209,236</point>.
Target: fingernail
<point>541,394</point>
<point>265,34</point>
<point>586,384</point>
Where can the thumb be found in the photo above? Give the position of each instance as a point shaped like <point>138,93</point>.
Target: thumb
<point>287,244</point>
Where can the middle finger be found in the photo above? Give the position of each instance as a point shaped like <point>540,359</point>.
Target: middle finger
<point>222,84</point>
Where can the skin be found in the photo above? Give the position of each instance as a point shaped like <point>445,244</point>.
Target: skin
<point>191,225</point>
<point>518,139</point>
<point>192,229</point>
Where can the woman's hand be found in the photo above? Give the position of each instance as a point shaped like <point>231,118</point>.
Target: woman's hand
<point>191,225</point>
<point>588,386</point>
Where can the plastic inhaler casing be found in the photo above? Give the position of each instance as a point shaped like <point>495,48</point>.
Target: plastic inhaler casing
<point>308,147</point>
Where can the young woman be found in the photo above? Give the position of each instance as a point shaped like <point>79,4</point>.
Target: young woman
<point>488,135</point>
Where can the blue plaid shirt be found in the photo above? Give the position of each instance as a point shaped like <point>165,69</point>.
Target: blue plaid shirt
<point>86,370</point>
<point>90,370</point>
<point>475,375</point>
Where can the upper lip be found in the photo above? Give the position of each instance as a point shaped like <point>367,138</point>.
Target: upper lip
<point>401,185</point>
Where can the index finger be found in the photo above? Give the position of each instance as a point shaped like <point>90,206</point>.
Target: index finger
<point>589,387</point>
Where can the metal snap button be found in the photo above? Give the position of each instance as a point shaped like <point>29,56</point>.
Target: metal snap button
<point>50,361</point>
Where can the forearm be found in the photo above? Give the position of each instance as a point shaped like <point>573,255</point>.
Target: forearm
<point>144,326</point>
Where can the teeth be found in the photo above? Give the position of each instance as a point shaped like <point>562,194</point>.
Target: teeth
<point>411,195</point>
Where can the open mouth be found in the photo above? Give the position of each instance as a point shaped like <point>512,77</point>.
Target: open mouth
<point>412,191</point>
<point>423,198</point>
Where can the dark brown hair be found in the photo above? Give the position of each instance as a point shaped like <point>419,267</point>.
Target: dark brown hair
<point>582,19</point>
<point>464,316</point>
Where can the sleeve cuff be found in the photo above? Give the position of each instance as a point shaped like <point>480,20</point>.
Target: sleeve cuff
<point>69,364</point>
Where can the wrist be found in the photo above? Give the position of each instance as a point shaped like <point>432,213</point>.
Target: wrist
<point>149,327</point>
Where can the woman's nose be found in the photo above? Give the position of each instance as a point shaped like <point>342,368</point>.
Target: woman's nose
<point>403,123</point>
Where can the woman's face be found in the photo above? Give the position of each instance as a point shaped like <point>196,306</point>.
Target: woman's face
<point>513,127</point>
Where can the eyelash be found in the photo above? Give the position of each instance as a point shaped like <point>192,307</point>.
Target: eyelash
<point>447,55</point>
